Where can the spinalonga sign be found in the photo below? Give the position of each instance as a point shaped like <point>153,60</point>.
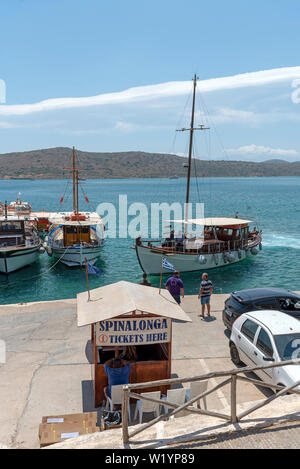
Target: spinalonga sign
<point>133,331</point>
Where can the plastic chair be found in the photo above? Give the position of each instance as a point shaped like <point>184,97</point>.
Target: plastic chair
<point>116,399</point>
<point>197,387</point>
<point>175,396</point>
<point>146,406</point>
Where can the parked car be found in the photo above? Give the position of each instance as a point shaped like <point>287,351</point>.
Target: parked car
<point>255,299</point>
<point>260,337</point>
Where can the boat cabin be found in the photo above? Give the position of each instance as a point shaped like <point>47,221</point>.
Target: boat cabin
<point>218,235</point>
<point>12,232</point>
<point>133,322</point>
<point>76,234</point>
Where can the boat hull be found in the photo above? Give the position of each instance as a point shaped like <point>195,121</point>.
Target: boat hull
<point>75,257</point>
<point>12,260</point>
<point>150,260</point>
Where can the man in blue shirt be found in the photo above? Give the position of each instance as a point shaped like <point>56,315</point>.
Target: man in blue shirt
<point>175,285</point>
<point>117,371</point>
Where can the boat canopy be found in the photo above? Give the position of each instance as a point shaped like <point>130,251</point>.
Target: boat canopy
<point>122,298</point>
<point>218,222</point>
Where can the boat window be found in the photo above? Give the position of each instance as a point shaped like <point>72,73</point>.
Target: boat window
<point>71,229</point>
<point>84,229</point>
<point>264,344</point>
<point>17,226</point>
<point>249,329</point>
<point>6,226</point>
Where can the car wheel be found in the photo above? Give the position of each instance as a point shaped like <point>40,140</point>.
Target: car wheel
<point>235,355</point>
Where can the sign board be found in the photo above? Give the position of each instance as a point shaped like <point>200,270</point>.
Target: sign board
<point>133,331</point>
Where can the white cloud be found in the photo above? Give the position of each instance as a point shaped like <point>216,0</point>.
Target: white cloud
<point>7,125</point>
<point>261,150</point>
<point>152,92</point>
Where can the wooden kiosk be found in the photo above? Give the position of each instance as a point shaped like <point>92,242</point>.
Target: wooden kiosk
<point>125,317</point>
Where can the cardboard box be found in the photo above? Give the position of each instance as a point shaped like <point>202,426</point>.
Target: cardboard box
<point>71,418</point>
<point>57,432</point>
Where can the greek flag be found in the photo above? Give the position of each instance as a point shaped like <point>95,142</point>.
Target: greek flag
<point>167,265</point>
<point>91,269</point>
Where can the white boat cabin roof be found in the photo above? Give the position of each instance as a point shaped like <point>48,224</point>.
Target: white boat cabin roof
<point>218,222</point>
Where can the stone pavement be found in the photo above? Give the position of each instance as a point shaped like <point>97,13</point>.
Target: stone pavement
<point>49,372</point>
<point>284,436</point>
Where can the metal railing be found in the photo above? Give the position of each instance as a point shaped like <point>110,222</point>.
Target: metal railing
<point>232,377</point>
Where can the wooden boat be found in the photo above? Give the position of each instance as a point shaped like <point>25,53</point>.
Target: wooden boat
<point>20,244</point>
<point>75,236</point>
<point>223,240</point>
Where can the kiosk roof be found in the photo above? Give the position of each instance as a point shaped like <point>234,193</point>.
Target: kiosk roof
<point>123,298</point>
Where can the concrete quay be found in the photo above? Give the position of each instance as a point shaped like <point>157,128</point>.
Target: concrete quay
<point>48,371</point>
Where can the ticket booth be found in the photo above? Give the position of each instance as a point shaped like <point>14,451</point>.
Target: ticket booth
<point>133,322</point>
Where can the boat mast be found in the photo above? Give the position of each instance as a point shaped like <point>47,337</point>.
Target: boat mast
<point>190,148</point>
<point>74,183</point>
<point>191,130</point>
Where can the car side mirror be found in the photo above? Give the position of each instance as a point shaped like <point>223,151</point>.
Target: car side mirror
<point>269,359</point>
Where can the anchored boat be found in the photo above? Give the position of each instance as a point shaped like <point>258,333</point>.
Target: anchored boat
<point>20,244</point>
<point>74,236</point>
<point>222,241</point>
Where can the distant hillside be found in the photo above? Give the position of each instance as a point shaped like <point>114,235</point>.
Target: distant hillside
<point>50,163</point>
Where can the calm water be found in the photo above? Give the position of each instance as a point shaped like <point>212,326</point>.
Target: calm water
<point>273,201</point>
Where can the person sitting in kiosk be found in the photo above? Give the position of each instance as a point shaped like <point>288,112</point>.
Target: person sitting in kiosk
<point>117,372</point>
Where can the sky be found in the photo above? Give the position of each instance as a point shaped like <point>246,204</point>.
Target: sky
<point>117,76</point>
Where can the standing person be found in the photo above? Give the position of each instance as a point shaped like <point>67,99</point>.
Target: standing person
<point>206,288</point>
<point>145,281</point>
<point>175,285</point>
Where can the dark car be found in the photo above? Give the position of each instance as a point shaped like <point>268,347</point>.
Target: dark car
<point>243,301</point>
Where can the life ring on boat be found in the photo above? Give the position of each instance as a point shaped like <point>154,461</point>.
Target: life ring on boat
<point>230,256</point>
<point>202,259</point>
<point>254,251</point>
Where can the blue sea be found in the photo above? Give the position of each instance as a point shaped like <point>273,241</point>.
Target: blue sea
<point>272,202</point>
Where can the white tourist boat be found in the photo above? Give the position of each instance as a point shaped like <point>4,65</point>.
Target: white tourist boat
<point>75,237</point>
<point>222,240</point>
<point>20,244</point>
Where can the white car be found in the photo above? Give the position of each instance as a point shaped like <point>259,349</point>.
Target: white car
<point>260,337</point>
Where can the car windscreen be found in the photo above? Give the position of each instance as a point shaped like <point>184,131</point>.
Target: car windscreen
<point>288,346</point>
<point>238,307</point>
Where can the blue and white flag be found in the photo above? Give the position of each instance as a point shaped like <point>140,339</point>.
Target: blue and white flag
<point>167,265</point>
<point>91,269</point>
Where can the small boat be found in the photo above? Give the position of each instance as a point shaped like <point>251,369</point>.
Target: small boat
<point>20,244</point>
<point>75,236</point>
<point>18,207</point>
<point>222,240</point>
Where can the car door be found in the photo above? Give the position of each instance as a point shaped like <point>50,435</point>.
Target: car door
<point>245,341</point>
<point>264,353</point>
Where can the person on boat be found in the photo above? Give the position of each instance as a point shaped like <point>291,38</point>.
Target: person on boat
<point>206,288</point>
<point>175,286</point>
<point>145,281</point>
<point>117,372</point>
